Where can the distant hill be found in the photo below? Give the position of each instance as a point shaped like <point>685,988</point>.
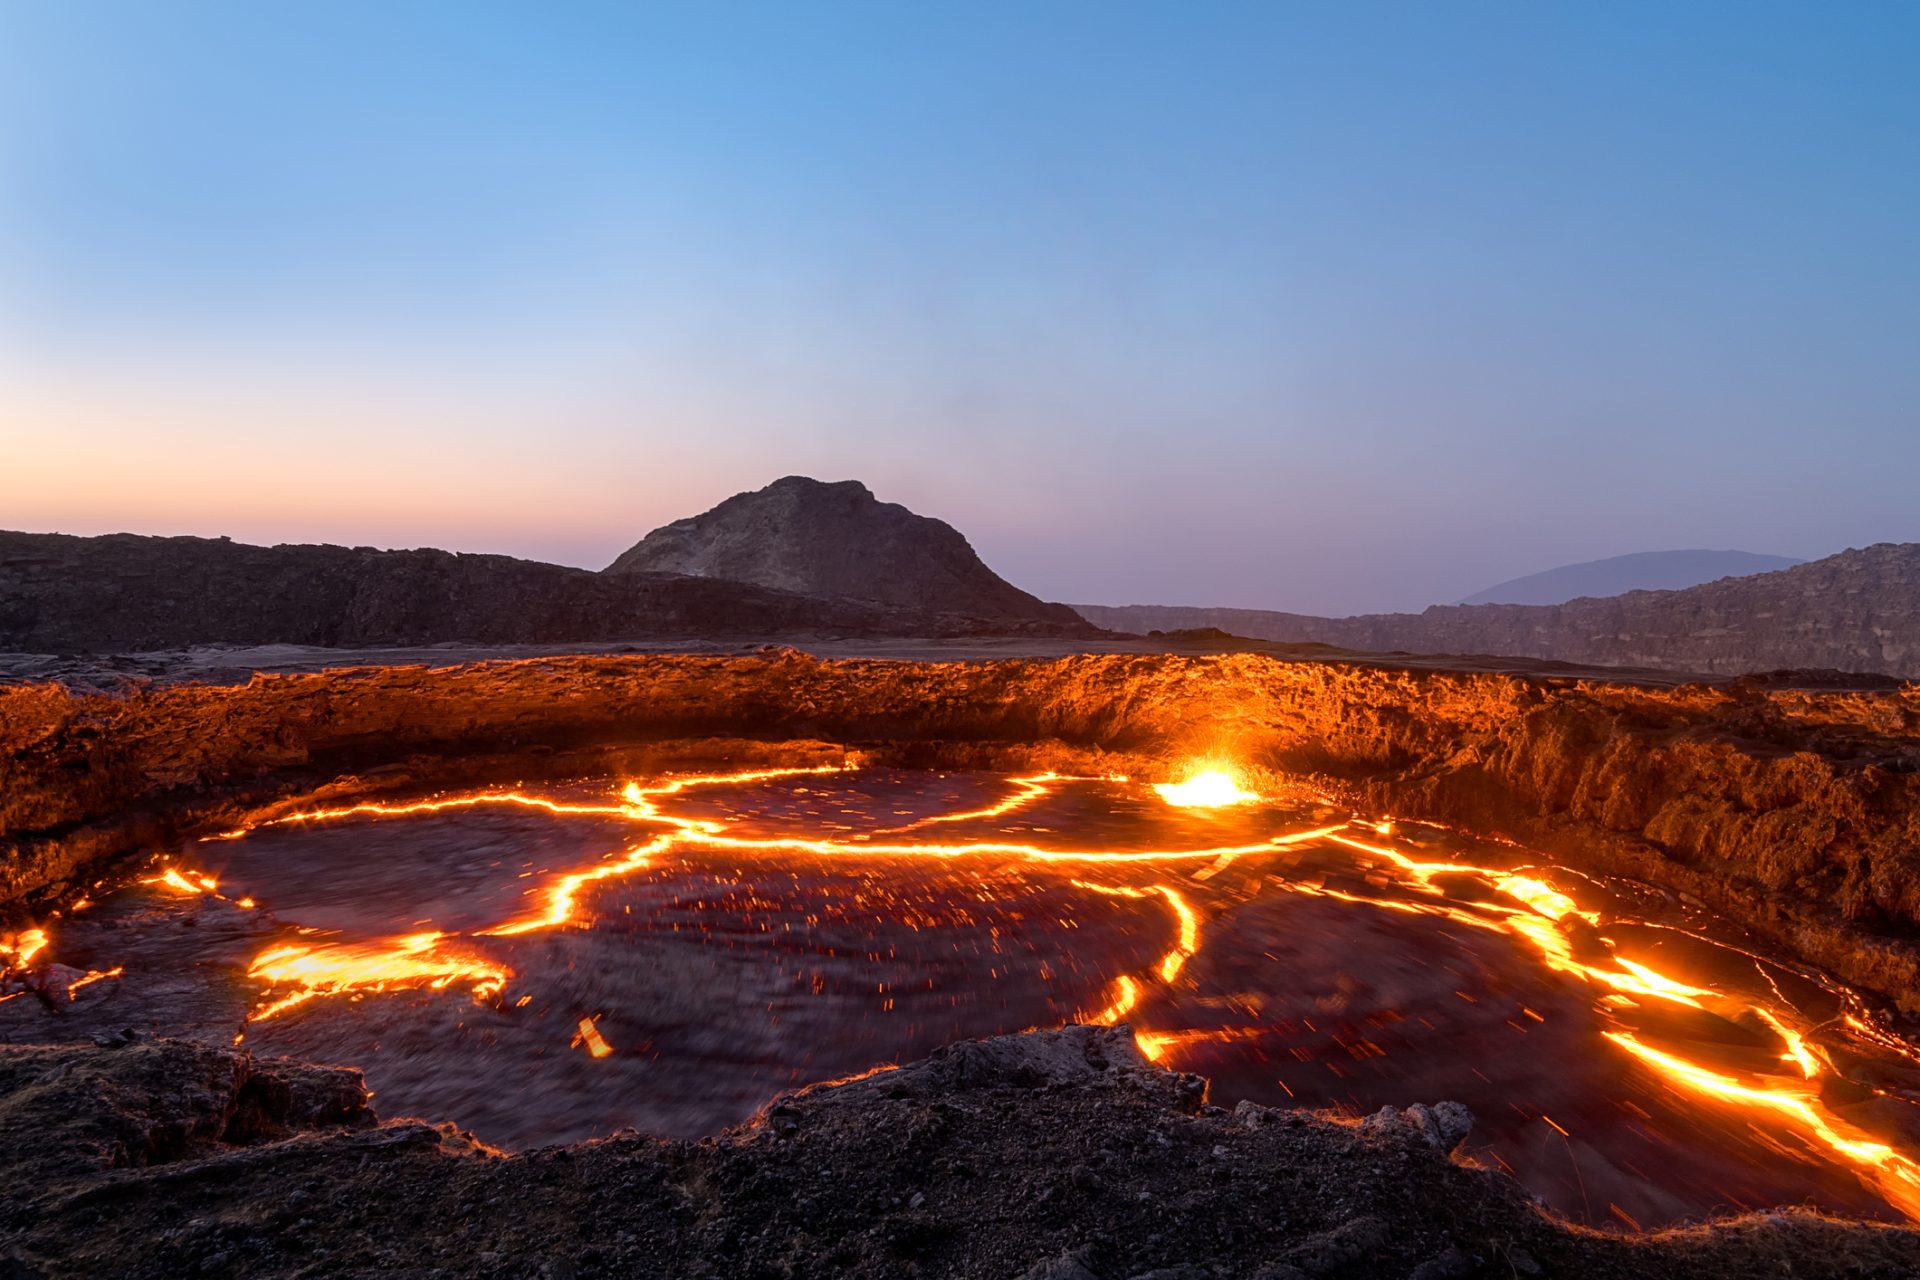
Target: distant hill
<point>126,593</point>
<point>1617,575</point>
<point>838,540</point>
<point>1856,611</point>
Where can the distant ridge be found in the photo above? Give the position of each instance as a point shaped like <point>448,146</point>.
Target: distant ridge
<point>798,558</point>
<point>1641,571</point>
<point>1858,611</point>
<point>126,593</point>
<point>837,540</point>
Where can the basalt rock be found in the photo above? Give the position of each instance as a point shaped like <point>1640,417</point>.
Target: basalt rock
<point>1795,812</point>
<point>915,1171</point>
<point>76,1112</point>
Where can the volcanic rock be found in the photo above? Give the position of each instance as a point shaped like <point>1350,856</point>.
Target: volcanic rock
<point>820,539</point>
<point>1312,1196</point>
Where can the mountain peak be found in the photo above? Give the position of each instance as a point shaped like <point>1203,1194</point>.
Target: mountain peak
<point>835,538</point>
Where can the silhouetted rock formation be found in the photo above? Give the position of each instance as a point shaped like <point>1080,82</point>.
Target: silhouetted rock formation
<point>124,592</point>
<point>823,539</point>
<point>1642,571</point>
<point>1857,611</point>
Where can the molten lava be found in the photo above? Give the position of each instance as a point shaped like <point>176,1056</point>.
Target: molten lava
<point>1207,789</point>
<point>1531,906</point>
<point>416,960</point>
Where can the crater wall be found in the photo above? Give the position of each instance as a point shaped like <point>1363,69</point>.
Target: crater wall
<point>1795,812</point>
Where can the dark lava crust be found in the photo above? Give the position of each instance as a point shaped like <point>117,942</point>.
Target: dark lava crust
<point>1053,1155</point>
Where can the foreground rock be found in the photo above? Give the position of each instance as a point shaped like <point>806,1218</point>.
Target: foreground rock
<point>1857,611</point>
<point>1047,1155</point>
<point>817,539</point>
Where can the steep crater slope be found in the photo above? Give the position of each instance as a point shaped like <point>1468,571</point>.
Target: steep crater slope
<point>1795,812</point>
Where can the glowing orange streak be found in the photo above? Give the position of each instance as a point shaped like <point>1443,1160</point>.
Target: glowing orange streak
<point>560,898</point>
<point>1556,951</point>
<point>1031,788</point>
<point>1895,1176</point>
<point>1170,964</point>
<point>1189,934</point>
<point>1629,977</point>
<point>1127,997</point>
<point>1547,906</point>
<point>1797,1051</point>
<point>1877,1036</point>
<point>1154,1045</point>
<point>590,1037</point>
<point>172,878</point>
<point>92,978</point>
<point>17,950</point>
<point>1112,890</point>
<point>641,799</point>
<point>378,809</point>
<point>415,960</point>
<point>1540,896</point>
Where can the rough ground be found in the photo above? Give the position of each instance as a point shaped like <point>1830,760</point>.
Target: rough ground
<point>1056,1155</point>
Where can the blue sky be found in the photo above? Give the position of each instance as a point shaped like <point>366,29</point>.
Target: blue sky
<point>1331,308</point>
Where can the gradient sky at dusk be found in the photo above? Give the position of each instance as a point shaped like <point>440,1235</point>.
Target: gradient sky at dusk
<point>1332,308</point>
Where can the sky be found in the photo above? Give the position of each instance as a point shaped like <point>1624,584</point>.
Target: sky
<point>1332,308</point>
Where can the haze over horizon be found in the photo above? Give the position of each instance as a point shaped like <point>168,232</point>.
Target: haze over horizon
<point>1328,311</point>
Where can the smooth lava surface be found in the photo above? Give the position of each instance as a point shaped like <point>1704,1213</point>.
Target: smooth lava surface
<point>559,963</point>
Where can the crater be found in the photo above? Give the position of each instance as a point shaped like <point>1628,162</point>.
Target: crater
<point>548,917</point>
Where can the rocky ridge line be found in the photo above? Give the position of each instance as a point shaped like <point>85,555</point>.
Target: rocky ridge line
<point>1858,611</point>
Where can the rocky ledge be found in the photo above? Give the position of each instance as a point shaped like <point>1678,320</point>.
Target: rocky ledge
<point>1053,1155</point>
